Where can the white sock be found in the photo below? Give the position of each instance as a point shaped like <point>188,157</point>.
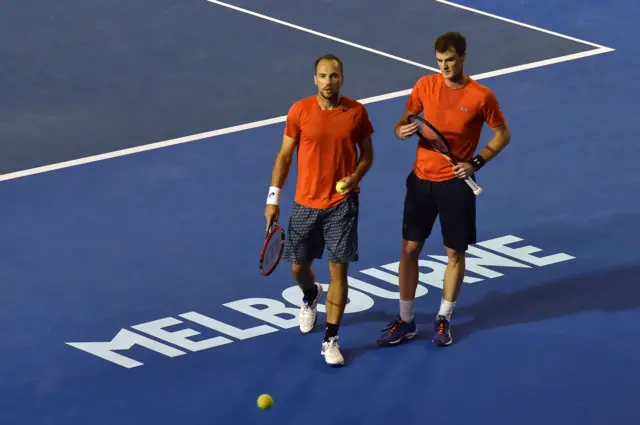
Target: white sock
<point>406,310</point>
<point>446,309</point>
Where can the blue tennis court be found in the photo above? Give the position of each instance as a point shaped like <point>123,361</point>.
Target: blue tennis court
<point>138,140</point>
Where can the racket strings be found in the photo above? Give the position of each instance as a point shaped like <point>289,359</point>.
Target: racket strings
<point>432,138</point>
<point>272,250</point>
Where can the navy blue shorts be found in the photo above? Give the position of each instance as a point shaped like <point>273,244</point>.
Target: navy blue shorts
<point>312,230</point>
<point>452,201</point>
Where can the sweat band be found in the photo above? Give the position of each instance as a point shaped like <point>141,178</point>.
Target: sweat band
<point>274,195</point>
<point>478,162</point>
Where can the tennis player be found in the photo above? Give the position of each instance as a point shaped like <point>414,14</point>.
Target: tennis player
<point>459,107</point>
<point>327,129</point>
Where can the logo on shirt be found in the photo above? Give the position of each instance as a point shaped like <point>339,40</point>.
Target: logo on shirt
<point>463,109</point>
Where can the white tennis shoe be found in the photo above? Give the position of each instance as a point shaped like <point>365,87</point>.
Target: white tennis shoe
<point>309,312</point>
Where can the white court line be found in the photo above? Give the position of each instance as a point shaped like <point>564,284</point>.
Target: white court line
<point>319,34</point>
<point>173,142</point>
<point>276,120</point>
<point>541,63</point>
<point>522,24</point>
<point>280,119</point>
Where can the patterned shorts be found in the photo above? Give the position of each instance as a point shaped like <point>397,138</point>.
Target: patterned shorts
<point>311,230</point>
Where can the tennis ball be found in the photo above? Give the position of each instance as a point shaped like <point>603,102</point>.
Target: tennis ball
<point>265,401</point>
<point>341,187</point>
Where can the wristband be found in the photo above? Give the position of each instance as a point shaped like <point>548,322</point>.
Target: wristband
<point>478,162</point>
<point>274,195</point>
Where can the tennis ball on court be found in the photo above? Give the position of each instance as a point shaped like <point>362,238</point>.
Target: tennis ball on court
<point>265,401</point>
<point>341,187</point>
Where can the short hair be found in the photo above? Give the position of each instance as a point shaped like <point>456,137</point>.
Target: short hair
<point>327,57</point>
<point>451,39</point>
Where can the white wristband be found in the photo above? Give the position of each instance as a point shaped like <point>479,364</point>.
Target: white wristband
<point>274,195</point>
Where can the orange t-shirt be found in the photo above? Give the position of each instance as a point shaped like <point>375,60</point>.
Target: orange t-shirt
<point>327,147</point>
<point>458,114</point>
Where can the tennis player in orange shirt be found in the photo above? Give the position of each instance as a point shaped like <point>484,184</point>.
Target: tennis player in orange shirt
<point>459,107</point>
<point>327,129</point>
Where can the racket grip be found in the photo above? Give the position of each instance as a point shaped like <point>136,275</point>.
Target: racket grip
<point>477,190</point>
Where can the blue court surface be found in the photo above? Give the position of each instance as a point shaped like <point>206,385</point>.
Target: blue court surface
<point>137,145</point>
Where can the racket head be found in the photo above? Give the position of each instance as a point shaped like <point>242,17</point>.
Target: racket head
<point>272,250</point>
<point>430,135</point>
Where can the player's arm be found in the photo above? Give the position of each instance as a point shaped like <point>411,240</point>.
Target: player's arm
<point>404,120</point>
<point>279,174</point>
<point>282,164</point>
<point>403,129</point>
<point>501,134</point>
<point>366,158</point>
<point>500,140</point>
<point>365,146</point>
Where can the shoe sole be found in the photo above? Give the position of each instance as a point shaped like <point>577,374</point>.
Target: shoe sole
<point>442,344</point>
<point>407,337</point>
<point>331,364</point>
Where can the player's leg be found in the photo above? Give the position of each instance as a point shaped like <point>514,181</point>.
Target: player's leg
<point>304,244</point>
<point>336,297</point>
<point>419,215</point>
<point>341,235</point>
<point>457,205</point>
<point>336,302</point>
<point>304,276</point>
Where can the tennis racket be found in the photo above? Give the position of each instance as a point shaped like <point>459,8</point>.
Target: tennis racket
<point>436,141</point>
<point>272,250</point>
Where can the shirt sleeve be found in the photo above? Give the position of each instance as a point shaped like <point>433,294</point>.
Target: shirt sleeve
<point>491,111</point>
<point>414,102</point>
<point>292,126</point>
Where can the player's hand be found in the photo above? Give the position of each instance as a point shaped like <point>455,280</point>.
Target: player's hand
<point>407,130</point>
<point>464,170</point>
<point>271,213</point>
<point>351,181</point>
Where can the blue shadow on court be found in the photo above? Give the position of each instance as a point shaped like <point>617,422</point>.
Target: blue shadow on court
<point>613,290</point>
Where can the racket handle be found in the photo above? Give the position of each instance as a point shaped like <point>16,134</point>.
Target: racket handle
<point>477,190</point>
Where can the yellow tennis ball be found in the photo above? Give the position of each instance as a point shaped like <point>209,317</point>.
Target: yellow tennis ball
<point>265,401</point>
<point>341,187</point>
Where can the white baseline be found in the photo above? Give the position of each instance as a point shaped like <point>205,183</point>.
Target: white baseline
<point>262,123</point>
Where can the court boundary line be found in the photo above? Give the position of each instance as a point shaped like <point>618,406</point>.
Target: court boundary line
<point>270,121</point>
<point>323,35</point>
<point>522,24</point>
<point>542,63</point>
